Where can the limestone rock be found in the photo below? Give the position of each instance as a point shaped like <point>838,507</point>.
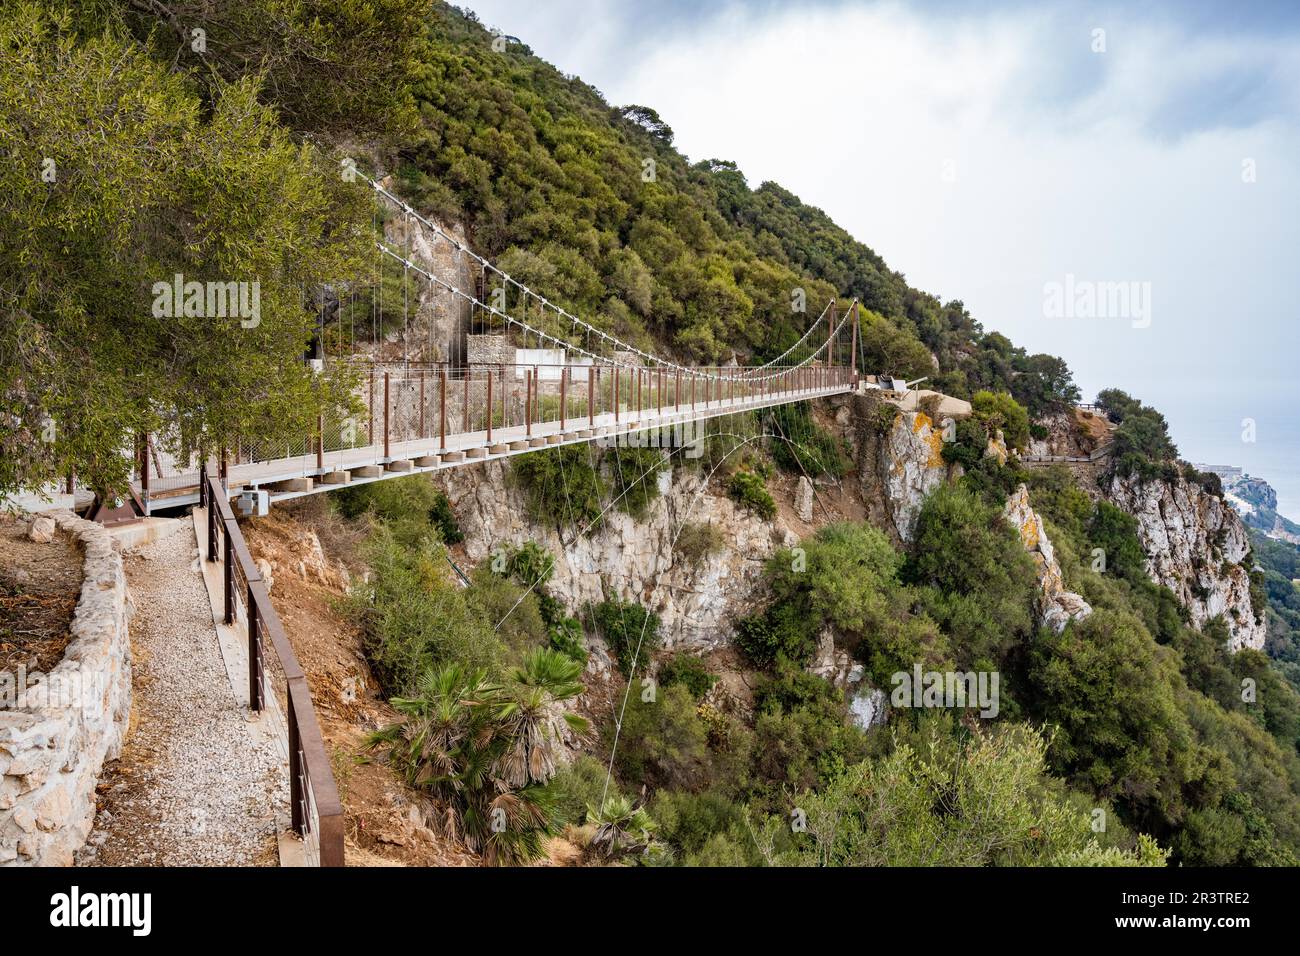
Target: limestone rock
<point>632,559</point>
<point>912,466</point>
<point>264,569</point>
<point>803,500</point>
<point>1196,546</point>
<point>1056,606</point>
<point>41,529</point>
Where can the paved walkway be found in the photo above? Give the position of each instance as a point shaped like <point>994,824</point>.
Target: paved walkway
<point>193,786</point>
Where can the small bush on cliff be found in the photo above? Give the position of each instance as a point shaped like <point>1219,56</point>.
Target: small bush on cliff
<point>698,540</point>
<point>750,490</point>
<point>634,473</point>
<point>971,440</point>
<point>802,445</point>
<point>780,631</point>
<point>562,485</point>
<point>630,630</point>
<point>663,742</point>
<point>689,671</point>
<point>998,410</point>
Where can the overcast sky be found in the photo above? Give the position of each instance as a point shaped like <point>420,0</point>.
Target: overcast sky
<point>989,155</point>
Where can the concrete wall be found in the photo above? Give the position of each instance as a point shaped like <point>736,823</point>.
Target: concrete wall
<point>53,744</point>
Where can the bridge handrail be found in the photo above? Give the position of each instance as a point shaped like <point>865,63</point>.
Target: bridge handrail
<point>317,812</point>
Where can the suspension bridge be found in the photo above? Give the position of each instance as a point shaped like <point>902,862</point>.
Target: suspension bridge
<point>538,390</point>
<point>549,379</point>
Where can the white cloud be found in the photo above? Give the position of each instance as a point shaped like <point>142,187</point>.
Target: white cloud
<point>1117,166</point>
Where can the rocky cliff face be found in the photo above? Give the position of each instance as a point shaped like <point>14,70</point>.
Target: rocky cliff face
<point>1055,605</point>
<point>633,559</point>
<point>899,459</point>
<point>1195,546</point>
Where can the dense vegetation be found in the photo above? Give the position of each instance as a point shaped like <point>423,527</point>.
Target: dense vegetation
<point>1280,570</point>
<point>220,161</point>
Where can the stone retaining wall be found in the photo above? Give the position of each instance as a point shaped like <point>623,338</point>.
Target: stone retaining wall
<point>53,744</point>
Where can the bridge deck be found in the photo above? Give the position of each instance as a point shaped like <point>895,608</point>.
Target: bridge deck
<point>182,489</point>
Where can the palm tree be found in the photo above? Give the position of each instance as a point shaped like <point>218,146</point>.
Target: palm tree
<point>621,827</point>
<point>482,751</point>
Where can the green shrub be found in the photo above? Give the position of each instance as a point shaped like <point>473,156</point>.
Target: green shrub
<point>663,742</point>
<point>982,801</point>
<point>807,446</point>
<point>562,485</point>
<point>413,616</point>
<point>1000,411</point>
<point>508,608</point>
<point>689,671</point>
<point>977,581</point>
<point>783,630</point>
<point>751,491</point>
<point>634,473</point>
<point>444,519</point>
<point>630,630</point>
<point>412,507</point>
<point>530,565</point>
<point>971,441</point>
<point>687,820</point>
<point>577,786</point>
<point>565,636</point>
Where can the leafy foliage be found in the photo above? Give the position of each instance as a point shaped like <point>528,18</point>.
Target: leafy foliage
<point>483,752</point>
<point>689,671</point>
<point>212,189</point>
<point>750,490</point>
<point>983,802</point>
<point>630,630</point>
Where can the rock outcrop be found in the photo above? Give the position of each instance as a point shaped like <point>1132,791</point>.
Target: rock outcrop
<point>868,706</point>
<point>1056,606</point>
<point>628,558</point>
<point>912,466</point>
<point>1196,546</point>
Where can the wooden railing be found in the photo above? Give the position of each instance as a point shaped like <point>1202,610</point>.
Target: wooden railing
<point>317,813</point>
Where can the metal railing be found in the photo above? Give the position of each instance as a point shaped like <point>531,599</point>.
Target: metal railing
<point>316,811</point>
<point>410,409</point>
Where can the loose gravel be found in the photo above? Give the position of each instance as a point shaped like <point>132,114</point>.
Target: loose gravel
<point>191,787</point>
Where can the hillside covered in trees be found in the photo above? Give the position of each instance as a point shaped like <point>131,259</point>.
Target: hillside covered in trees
<point>137,148</point>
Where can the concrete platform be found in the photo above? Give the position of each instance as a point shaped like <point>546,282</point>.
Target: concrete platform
<point>400,464</point>
<point>144,531</point>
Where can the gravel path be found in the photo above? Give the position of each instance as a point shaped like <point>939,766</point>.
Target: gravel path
<point>191,787</point>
